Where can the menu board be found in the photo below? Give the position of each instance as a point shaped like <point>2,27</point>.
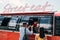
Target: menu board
<point>57,25</point>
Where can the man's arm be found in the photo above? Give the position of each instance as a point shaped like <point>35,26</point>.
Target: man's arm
<point>29,32</point>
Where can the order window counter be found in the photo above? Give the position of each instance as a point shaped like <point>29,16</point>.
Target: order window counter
<point>53,37</point>
<point>31,37</point>
<point>9,35</point>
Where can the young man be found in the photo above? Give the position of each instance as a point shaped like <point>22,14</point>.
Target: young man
<point>22,31</point>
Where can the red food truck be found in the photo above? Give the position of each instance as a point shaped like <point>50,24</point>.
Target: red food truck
<point>11,22</point>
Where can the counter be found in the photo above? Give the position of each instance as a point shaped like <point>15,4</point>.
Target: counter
<point>8,35</point>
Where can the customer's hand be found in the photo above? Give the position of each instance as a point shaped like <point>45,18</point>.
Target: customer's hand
<point>32,26</point>
<point>29,26</point>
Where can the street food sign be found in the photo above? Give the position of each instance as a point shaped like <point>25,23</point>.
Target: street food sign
<point>17,6</point>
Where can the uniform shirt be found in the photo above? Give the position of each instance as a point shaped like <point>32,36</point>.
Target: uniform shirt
<point>22,32</point>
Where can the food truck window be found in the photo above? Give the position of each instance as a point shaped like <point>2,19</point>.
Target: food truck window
<point>9,23</point>
<point>13,24</point>
<point>13,21</point>
<point>1,19</point>
<point>44,21</point>
<point>57,26</point>
<point>47,23</point>
<point>5,21</point>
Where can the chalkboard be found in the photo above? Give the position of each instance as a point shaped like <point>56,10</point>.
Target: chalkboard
<point>57,25</point>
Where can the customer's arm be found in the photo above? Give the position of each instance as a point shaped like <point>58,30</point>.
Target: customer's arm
<point>29,32</point>
<point>29,26</point>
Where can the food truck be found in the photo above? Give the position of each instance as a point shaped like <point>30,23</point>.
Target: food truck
<point>11,22</point>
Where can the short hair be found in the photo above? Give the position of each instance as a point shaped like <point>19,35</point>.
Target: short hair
<point>24,23</point>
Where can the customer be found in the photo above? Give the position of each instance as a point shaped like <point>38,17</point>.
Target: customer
<point>22,30</point>
<point>30,23</point>
<point>35,27</point>
<point>41,35</point>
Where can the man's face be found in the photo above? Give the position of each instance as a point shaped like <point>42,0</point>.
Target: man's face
<point>25,25</point>
<point>35,22</point>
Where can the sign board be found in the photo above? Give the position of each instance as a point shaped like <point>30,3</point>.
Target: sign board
<point>18,6</point>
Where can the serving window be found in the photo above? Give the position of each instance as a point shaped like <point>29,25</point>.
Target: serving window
<point>44,20</point>
<point>8,23</point>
